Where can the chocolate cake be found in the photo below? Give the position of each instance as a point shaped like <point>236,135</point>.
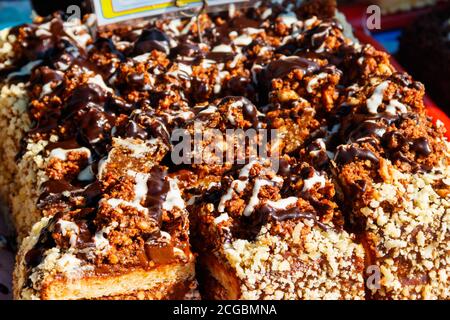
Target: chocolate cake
<point>354,176</point>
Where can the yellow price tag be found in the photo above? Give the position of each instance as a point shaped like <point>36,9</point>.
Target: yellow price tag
<point>113,11</point>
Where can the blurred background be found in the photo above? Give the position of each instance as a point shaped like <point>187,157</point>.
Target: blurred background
<point>14,12</point>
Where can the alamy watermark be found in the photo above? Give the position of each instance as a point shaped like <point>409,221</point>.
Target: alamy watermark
<point>218,147</point>
<point>373,18</point>
<point>74,13</point>
<point>373,280</point>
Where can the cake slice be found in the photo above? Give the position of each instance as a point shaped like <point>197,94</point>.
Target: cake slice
<point>109,221</point>
<point>125,233</point>
<point>262,235</point>
<point>391,163</point>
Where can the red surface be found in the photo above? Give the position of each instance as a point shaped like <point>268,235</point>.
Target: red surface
<point>356,17</point>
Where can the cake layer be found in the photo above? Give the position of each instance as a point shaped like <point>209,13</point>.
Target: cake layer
<point>266,236</point>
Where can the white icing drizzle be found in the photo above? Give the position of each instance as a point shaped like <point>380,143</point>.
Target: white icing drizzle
<point>322,146</point>
<point>282,203</point>
<point>231,10</point>
<point>251,31</point>
<point>70,264</point>
<point>245,170</point>
<point>310,22</point>
<point>25,70</point>
<point>114,203</point>
<point>207,63</point>
<point>243,40</point>
<point>173,26</point>
<point>101,243</point>
<point>311,182</point>
<point>237,185</point>
<point>267,13</point>
<point>80,38</point>
<point>209,110</point>
<point>61,154</point>
<point>142,58</point>
<point>315,80</point>
<point>223,217</point>
<point>48,87</point>
<point>69,227</point>
<point>219,79</point>
<point>235,61</point>
<point>394,106</point>
<point>192,200</point>
<point>101,166</point>
<point>140,192</point>
<point>185,115</point>
<point>374,102</point>
<point>98,80</point>
<point>42,32</point>
<point>189,25</point>
<point>165,236</point>
<point>233,106</point>
<point>223,48</point>
<point>140,187</point>
<point>184,71</point>
<point>254,71</point>
<point>233,34</point>
<point>173,198</point>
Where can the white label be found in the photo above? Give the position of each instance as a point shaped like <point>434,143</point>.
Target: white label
<point>113,11</point>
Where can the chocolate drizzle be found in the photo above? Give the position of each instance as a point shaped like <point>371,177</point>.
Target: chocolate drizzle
<point>346,154</point>
<point>45,47</point>
<point>45,241</point>
<point>421,146</point>
<point>54,191</point>
<point>157,187</point>
<point>381,132</point>
<point>152,39</point>
<point>250,227</point>
<point>186,48</point>
<point>282,67</point>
